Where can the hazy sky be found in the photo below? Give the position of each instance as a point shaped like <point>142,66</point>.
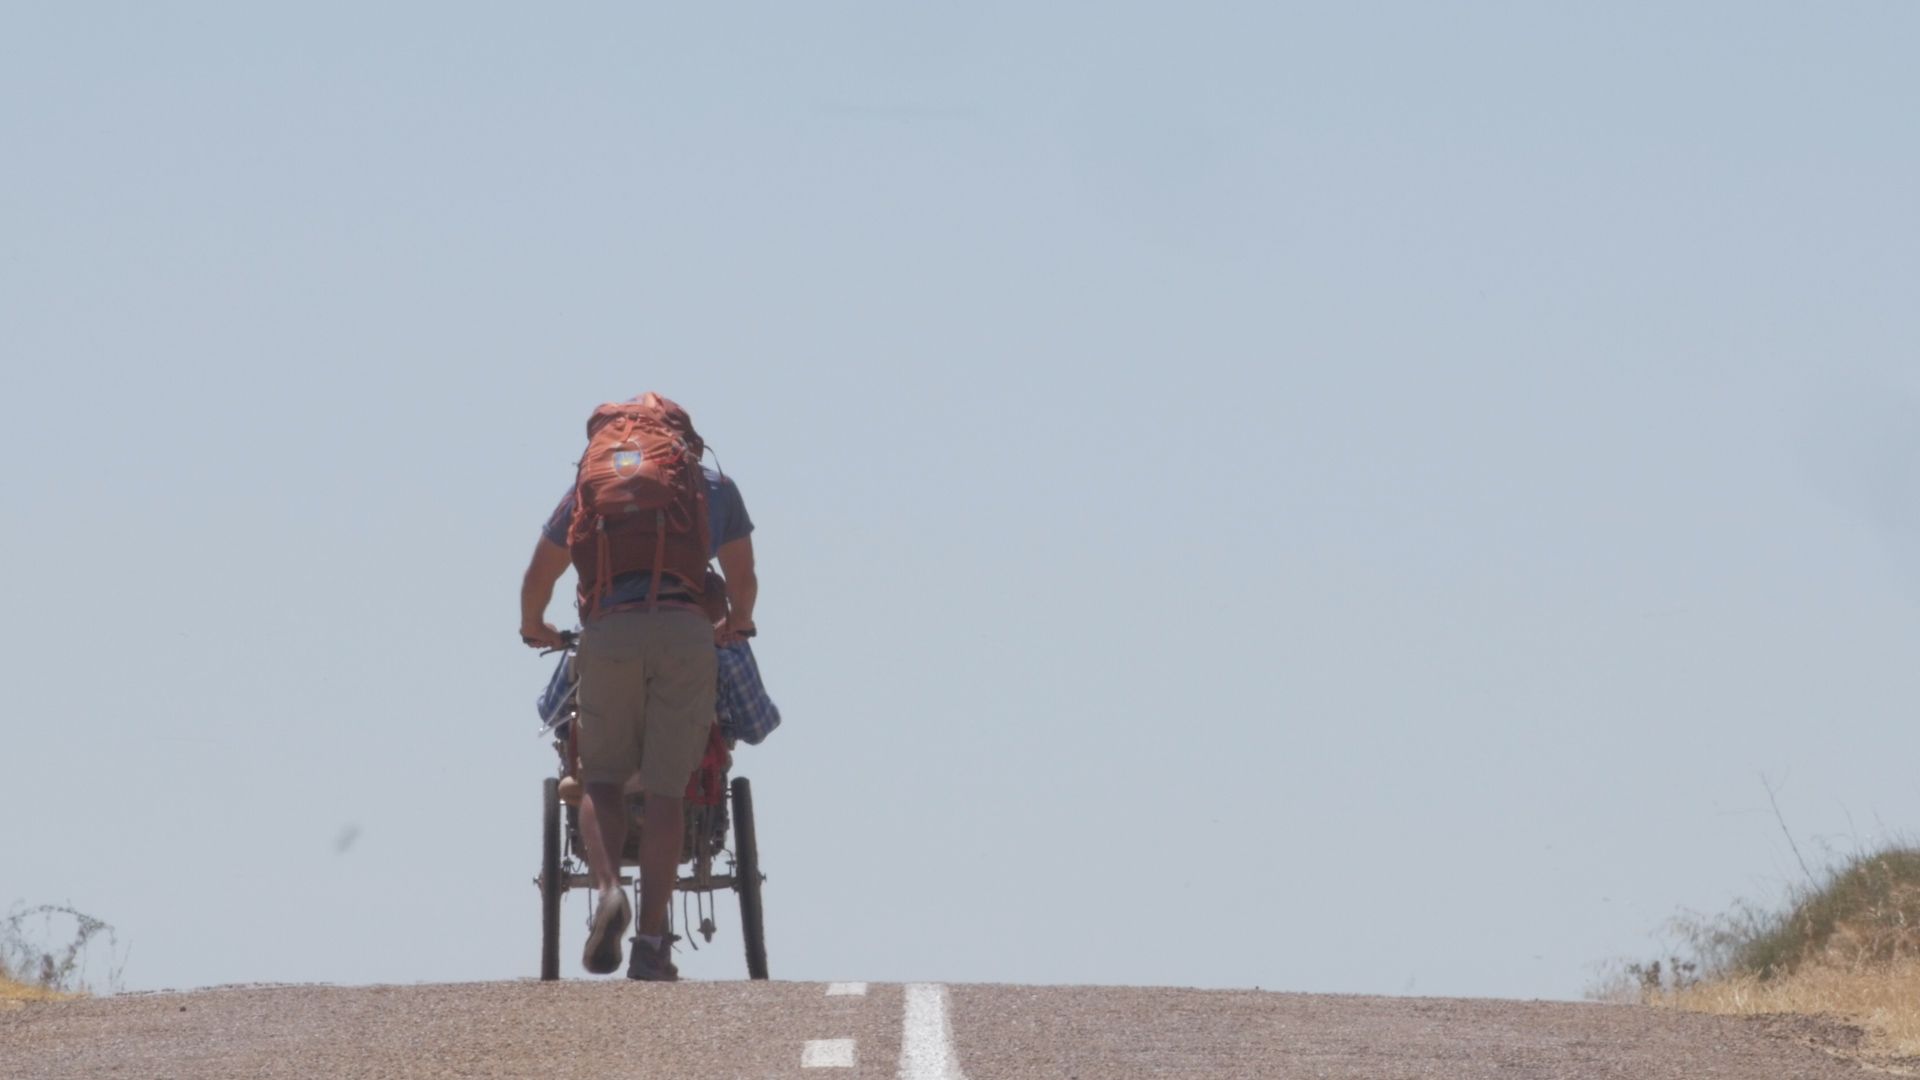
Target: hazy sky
<point>1352,497</point>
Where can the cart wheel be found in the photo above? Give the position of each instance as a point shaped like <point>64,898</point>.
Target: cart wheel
<point>746,875</point>
<point>552,886</point>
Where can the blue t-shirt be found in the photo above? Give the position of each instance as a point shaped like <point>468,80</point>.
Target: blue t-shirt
<point>727,521</point>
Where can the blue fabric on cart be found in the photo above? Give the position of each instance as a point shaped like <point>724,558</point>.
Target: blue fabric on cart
<point>558,697</point>
<point>747,714</point>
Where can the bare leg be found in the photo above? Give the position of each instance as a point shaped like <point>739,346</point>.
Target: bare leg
<point>603,828</point>
<point>660,844</point>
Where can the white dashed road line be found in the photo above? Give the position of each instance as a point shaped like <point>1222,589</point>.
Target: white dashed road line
<point>832,1053</point>
<point>926,1041</point>
<point>827,1054</point>
<point>926,1036</point>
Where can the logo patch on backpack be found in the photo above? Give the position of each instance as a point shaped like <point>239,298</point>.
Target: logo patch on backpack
<point>627,462</point>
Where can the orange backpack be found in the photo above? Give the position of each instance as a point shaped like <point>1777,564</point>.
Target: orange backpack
<point>640,502</point>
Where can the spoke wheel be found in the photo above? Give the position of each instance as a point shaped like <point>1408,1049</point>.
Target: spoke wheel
<point>746,874</point>
<point>552,885</point>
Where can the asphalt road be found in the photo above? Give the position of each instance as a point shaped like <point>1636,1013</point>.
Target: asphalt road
<point>613,1030</point>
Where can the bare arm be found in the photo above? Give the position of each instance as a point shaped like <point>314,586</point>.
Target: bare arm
<point>549,561</point>
<point>743,587</point>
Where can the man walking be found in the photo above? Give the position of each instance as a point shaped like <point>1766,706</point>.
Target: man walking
<point>638,528</point>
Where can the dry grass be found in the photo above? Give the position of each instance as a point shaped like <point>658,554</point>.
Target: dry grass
<point>1881,1000</point>
<point>1846,950</point>
<point>1865,915</point>
<point>44,952</point>
<point>13,994</point>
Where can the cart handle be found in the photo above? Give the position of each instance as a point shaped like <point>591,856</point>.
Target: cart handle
<point>568,639</point>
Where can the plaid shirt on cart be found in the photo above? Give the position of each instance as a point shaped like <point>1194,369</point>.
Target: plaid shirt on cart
<point>747,714</point>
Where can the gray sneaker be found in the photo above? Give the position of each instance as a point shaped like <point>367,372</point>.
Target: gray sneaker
<point>650,964</point>
<point>610,920</point>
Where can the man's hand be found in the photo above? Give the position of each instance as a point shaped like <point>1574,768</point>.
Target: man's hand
<point>732,631</point>
<point>541,636</point>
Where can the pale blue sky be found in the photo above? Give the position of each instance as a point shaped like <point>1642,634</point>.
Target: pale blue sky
<point>1452,455</point>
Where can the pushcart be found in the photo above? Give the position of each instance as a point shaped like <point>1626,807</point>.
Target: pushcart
<point>718,826</point>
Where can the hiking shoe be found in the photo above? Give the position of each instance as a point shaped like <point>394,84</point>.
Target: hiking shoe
<point>653,964</point>
<point>610,920</point>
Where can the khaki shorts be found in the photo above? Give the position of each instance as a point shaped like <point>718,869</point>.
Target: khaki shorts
<point>647,684</point>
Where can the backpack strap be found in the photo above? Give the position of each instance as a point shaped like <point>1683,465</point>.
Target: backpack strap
<point>602,583</point>
<point>659,558</point>
<point>602,571</point>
